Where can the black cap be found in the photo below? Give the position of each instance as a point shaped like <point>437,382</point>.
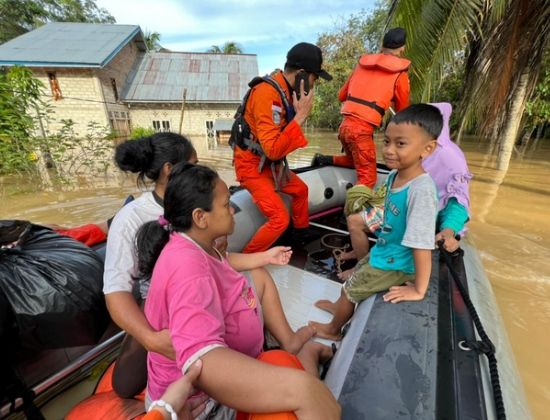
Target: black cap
<point>395,38</point>
<point>308,57</point>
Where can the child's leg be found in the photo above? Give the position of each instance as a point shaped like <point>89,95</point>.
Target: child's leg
<point>342,310</point>
<point>312,355</point>
<point>274,317</point>
<point>358,232</point>
<point>327,305</point>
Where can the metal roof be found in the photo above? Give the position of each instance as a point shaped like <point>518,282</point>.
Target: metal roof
<point>69,45</point>
<point>163,76</point>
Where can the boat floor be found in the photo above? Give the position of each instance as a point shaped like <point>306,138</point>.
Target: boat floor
<point>394,355</point>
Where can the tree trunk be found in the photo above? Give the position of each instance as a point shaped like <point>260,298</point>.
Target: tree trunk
<point>526,140</point>
<point>511,128</point>
<point>540,130</point>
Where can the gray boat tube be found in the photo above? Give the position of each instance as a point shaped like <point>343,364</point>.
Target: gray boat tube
<point>359,373</point>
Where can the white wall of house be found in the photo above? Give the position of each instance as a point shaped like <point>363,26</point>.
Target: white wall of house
<point>82,99</point>
<point>88,94</point>
<point>117,70</point>
<point>194,119</point>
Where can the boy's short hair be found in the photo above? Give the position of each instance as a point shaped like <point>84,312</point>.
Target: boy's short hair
<point>425,116</point>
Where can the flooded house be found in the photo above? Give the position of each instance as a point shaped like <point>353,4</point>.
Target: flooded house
<point>103,73</point>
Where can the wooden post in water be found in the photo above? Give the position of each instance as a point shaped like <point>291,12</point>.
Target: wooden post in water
<point>182,109</point>
<point>41,164</point>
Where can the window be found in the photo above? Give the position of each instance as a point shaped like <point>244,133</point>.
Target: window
<point>210,128</point>
<point>120,123</point>
<point>54,86</point>
<point>161,125</point>
<point>115,91</point>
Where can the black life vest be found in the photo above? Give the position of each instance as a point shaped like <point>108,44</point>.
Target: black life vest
<point>241,136</point>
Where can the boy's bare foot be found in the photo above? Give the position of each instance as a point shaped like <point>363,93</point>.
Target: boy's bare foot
<point>350,255</point>
<point>326,331</point>
<point>326,305</point>
<point>345,275</point>
<point>314,354</point>
<point>324,353</point>
<point>300,337</point>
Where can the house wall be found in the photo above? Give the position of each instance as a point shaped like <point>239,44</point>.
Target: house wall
<point>194,120</point>
<point>82,99</point>
<point>117,69</point>
<point>88,95</point>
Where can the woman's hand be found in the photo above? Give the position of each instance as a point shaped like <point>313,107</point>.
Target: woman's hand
<point>178,392</point>
<point>404,293</point>
<point>161,343</point>
<point>450,244</point>
<point>278,255</point>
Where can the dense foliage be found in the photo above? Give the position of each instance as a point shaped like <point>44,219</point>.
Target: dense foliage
<point>342,48</point>
<point>24,139</point>
<point>20,16</point>
<point>19,97</point>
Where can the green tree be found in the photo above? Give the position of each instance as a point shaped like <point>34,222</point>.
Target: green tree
<point>20,94</point>
<point>342,47</point>
<point>230,47</point>
<point>503,42</point>
<point>152,40</point>
<point>537,109</point>
<point>20,16</point>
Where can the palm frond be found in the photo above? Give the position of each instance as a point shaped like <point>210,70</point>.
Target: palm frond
<point>510,53</point>
<point>437,32</point>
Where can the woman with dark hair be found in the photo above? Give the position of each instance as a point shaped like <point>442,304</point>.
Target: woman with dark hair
<point>153,158</point>
<point>216,314</point>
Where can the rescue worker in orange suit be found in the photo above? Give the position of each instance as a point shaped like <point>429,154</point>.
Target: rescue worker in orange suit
<point>376,81</point>
<point>275,114</point>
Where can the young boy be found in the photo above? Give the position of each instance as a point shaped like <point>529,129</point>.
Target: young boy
<point>401,260</point>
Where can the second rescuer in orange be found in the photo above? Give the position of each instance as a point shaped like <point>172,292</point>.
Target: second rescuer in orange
<point>376,82</point>
<point>274,113</point>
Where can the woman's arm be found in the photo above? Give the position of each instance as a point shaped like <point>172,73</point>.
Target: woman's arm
<point>451,221</point>
<point>177,395</point>
<point>279,255</point>
<point>454,216</point>
<point>252,386</point>
<point>128,315</point>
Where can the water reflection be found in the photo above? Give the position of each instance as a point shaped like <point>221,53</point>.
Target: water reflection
<point>509,226</point>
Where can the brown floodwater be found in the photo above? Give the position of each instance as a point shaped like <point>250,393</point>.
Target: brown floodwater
<point>510,227</point>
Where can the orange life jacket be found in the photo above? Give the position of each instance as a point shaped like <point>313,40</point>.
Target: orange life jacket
<point>372,86</point>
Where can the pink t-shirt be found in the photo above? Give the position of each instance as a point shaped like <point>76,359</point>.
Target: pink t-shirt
<point>204,303</point>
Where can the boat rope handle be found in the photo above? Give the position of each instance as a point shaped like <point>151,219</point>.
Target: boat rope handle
<point>486,344</point>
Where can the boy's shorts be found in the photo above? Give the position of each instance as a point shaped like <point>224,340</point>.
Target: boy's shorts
<point>367,280</point>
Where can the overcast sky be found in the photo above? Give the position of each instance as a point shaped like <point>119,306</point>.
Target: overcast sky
<point>264,27</point>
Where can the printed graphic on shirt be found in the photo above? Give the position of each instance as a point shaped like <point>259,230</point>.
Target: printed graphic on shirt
<point>393,208</point>
<point>276,109</point>
<point>249,297</point>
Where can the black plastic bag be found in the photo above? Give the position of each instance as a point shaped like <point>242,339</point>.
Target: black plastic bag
<point>53,285</point>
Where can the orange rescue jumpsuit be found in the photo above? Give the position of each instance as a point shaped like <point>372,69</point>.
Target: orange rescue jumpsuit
<point>378,79</point>
<point>266,116</point>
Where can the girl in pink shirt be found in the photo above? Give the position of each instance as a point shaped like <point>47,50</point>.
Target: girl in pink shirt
<point>214,313</point>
